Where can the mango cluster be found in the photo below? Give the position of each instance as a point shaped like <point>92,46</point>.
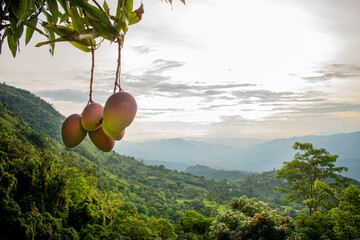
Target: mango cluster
<point>105,124</point>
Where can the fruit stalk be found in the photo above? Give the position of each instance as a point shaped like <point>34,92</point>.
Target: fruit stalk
<point>118,69</point>
<point>92,73</point>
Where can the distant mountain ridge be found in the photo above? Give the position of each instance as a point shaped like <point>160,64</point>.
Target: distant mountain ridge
<point>254,158</point>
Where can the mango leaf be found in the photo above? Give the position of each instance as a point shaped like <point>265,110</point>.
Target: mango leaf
<point>19,8</point>
<point>72,35</point>
<point>13,21</point>
<point>93,11</point>
<point>64,17</point>
<point>3,38</point>
<point>30,30</point>
<point>19,31</point>
<point>53,7</point>
<point>120,24</point>
<point>109,27</point>
<point>106,8</point>
<point>119,12</point>
<point>101,29</point>
<point>77,22</point>
<point>77,44</point>
<point>88,34</point>
<point>52,44</point>
<point>65,5</point>
<point>12,43</point>
<point>32,25</point>
<point>136,16</point>
<point>129,5</point>
<point>80,46</point>
<point>61,30</point>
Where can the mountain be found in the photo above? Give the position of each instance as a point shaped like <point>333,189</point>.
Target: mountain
<point>211,173</point>
<point>263,156</point>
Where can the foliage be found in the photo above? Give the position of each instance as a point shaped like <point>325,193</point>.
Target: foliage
<point>78,22</point>
<point>49,191</point>
<point>341,222</point>
<point>43,197</point>
<point>195,226</point>
<point>304,170</point>
<point>22,105</point>
<point>248,219</point>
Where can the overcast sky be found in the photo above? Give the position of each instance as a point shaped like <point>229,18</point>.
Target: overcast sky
<point>216,69</point>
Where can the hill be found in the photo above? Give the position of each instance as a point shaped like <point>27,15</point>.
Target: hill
<point>257,157</point>
<point>164,192</point>
<point>48,191</point>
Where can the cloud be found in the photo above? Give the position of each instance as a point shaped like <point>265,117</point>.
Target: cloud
<point>143,49</point>
<point>158,66</point>
<point>320,108</point>
<point>74,95</point>
<point>335,71</point>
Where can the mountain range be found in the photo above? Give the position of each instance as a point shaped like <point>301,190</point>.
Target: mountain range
<point>257,156</point>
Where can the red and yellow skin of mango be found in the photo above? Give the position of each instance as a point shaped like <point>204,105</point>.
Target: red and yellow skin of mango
<point>119,112</point>
<point>92,116</point>
<point>101,140</point>
<point>72,132</point>
<point>113,135</point>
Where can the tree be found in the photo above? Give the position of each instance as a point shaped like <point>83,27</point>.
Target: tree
<point>302,173</point>
<point>248,219</point>
<point>346,216</point>
<point>194,224</point>
<point>341,222</point>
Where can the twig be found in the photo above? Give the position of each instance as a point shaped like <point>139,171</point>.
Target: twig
<point>92,73</point>
<point>118,69</point>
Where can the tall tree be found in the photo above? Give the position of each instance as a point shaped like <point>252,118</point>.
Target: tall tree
<point>309,166</point>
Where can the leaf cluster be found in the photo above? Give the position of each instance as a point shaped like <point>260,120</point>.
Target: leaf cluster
<point>83,24</point>
<point>249,219</point>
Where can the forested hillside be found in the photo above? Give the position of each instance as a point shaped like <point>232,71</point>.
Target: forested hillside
<point>48,191</point>
<point>85,177</point>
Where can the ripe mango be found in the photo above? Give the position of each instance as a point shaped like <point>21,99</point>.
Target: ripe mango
<point>72,132</point>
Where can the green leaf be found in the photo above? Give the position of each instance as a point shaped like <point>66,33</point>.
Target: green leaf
<point>120,25</point>
<point>53,7</point>
<point>62,30</point>
<point>32,25</point>
<point>101,29</point>
<point>136,16</point>
<point>106,8</point>
<point>93,11</point>
<point>19,31</point>
<point>13,21</point>
<point>19,8</point>
<point>64,17</point>
<point>88,34</point>
<point>77,21</point>
<point>65,5</point>
<point>65,39</point>
<point>129,5</point>
<point>12,43</point>
<point>52,44</point>
<point>30,30</point>
<point>119,12</point>
<point>80,46</point>
<point>71,34</point>
<point>3,38</point>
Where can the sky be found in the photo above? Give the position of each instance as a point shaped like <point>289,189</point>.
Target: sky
<point>215,69</point>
